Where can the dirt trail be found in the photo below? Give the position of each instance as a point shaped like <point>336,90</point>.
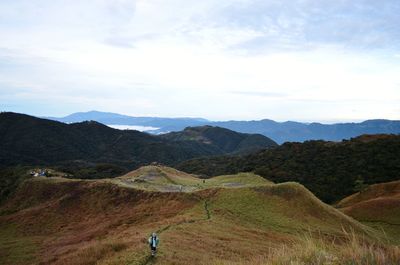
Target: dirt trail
<point>150,259</point>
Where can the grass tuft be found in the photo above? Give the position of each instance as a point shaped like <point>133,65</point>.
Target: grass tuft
<point>92,254</point>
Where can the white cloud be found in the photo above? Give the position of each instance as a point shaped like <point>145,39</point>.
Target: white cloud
<point>216,59</point>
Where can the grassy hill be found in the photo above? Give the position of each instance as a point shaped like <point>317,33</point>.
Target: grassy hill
<point>166,179</point>
<point>378,206</point>
<point>329,169</point>
<point>238,219</point>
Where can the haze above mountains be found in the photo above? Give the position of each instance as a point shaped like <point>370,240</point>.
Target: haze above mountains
<point>289,131</point>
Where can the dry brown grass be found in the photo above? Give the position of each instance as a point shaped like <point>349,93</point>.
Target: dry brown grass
<point>381,190</point>
<point>76,221</point>
<point>378,206</point>
<point>92,222</point>
<point>317,251</point>
<point>92,254</point>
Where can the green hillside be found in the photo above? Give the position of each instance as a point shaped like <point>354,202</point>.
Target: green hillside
<point>166,179</point>
<point>26,140</point>
<point>62,221</point>
<point>329,169</point>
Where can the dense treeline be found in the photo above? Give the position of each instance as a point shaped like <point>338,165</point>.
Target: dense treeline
<point>330,170</point>
<point>10,178</point>
<point>224,140</point>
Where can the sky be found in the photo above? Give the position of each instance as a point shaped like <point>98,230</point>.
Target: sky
<point>304,60</point>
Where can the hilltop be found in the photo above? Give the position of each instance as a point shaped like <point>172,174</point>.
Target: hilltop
<point>329,169</point>
<point>225,140</point>
<point>166,179</point>
<point>64,221</point>
<point>377,205</point>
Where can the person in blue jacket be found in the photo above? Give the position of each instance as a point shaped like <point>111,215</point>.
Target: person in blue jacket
<point>153,243</point>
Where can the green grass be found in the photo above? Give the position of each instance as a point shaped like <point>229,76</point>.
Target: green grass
<point>287,208</point>
<point>240,180</point>
<point>161,178</point>
<point>246,206</point>
<point>16,249</point>
<point>390,232</point>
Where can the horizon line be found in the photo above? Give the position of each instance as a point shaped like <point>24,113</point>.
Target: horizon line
<point>324,122</point>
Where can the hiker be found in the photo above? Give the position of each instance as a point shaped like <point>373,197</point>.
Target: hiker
<point>153,243</point>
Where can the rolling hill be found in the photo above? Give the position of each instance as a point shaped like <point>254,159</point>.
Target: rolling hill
<point>377,205</point>
<point>329,169</point>
<point>64,221</point>
<point>280,132</point>
<point>162,178</point>
<point>225,140</point>
<point>28,140</point>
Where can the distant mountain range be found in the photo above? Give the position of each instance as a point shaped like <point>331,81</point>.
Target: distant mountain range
<point>278,131</point>
<point>163,124</point>
<point>27,140</point>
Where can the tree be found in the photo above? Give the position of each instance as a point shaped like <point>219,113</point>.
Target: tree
<point>359,185</point>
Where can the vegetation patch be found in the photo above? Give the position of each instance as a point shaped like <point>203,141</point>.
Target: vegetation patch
<point>15,248</point>
<point>310,250</point>
<point>330,170</point>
